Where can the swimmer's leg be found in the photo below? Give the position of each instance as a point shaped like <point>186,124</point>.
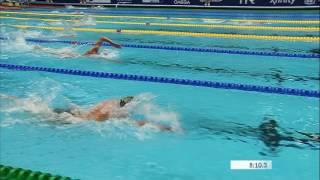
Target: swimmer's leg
<point>10,98</point>
<point>37,47</point>
<point>159,126</point>
<point>4,96</point>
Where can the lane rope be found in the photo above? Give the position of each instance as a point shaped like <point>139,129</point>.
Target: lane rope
<point>175,33</point>
<point>149,24</point>
<point>11,173</point>
<point>191,49</point>
<point>166,18</point>
<point>168,80</point>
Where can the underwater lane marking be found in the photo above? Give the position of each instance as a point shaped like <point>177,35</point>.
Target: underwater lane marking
<point>168,80</point>
<point>174,33</point>
<point>277,28</point>
<point>166,18</point>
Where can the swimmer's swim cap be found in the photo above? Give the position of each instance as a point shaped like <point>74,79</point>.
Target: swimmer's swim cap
<point>270,121</point>
<point>125,100</point>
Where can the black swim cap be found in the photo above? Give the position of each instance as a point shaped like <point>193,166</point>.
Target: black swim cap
<point>273,123</point>
<point>125,100</point>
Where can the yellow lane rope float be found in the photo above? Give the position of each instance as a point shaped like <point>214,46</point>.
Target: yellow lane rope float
<point>164,18</point>
<point>277,28</point>
<point>196,34</point>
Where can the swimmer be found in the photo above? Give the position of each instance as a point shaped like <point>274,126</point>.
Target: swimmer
<point>107,110</point>
<point>98,44</point>
<point>269,132</point>
<point>101,112</point>
<point>93,51</point>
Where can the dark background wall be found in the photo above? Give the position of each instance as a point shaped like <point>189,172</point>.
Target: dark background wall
<point>271,3</point>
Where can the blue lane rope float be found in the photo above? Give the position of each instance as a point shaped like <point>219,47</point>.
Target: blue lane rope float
<point>132,77</point>
<point>192,49</point>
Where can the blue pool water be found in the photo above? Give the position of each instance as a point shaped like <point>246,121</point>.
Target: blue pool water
<point>212,126</point>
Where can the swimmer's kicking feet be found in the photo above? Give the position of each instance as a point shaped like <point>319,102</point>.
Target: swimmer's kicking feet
<point>93,51</point>
<point>107,110</point>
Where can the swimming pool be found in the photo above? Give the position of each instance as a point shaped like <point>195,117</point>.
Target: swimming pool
<point>241,47</point>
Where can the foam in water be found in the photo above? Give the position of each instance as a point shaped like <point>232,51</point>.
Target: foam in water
<point>86,20</point>
<point>27,33</point>
<point>66,52</point>
<point>4,57</point>
<point>67,31</point>
<point>73,7</point>
<point>98,7</point>
<point>108,54</point>
<point>72,52</point>
<point>244,23</point>
<point>214,21</point>
<point>70,7</point>
<point>36,106</point>
<point>16,43</point>
<point>55,12</point>
<point>76,12</point>
<point>222,21</point>
<point>143,105</point>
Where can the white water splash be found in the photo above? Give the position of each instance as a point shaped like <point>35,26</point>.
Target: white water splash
<point>214,21</point>
<point>248,23</point>
<point>143,105</point>
<point>55,12</point>
<point>73,7</point>
<point>108,54</point>
<point>66,52</point>
<point>223,21</point>
<point>15,44</point>
<point>86,20</point>
<point>98,7</point>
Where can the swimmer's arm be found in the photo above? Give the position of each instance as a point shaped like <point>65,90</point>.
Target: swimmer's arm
<point>109,41</point>
<point>98,44</point>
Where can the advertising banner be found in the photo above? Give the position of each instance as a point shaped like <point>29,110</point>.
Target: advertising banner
<point>236,3</point>
<point>100,1</point>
